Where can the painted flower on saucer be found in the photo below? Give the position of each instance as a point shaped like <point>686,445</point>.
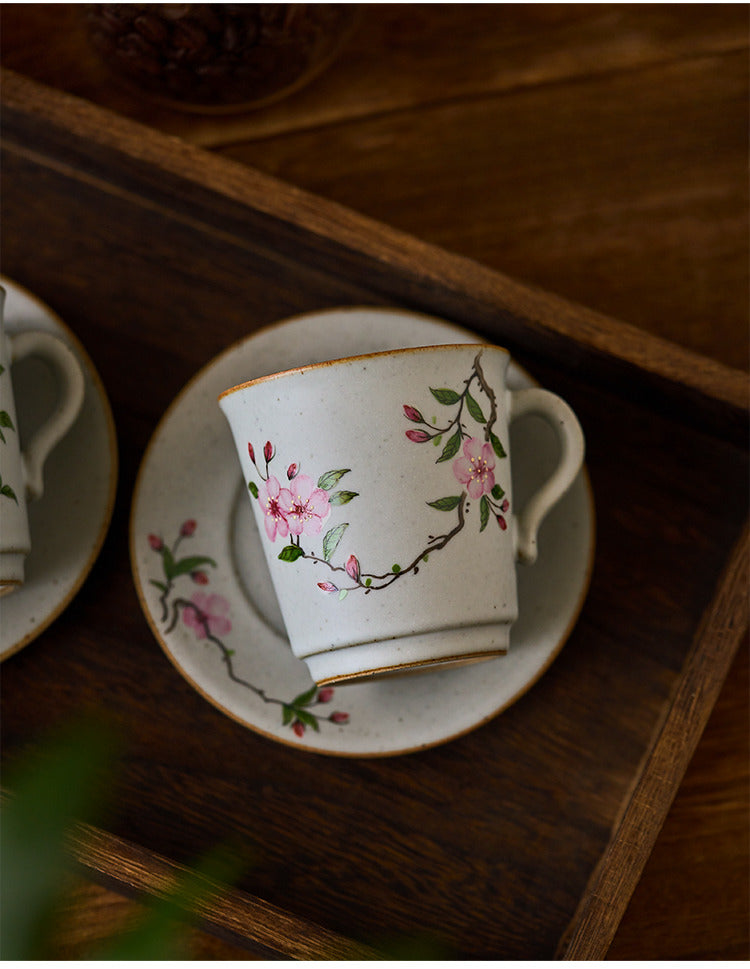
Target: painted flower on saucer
<point>208,616</point>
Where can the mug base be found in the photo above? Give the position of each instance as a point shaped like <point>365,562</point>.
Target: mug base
<point>408,655</point>
<point>12,571</point>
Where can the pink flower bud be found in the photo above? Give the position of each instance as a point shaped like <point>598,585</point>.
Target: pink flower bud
<point>299,728</point>
<point>200,578</point>
<point>419,437</point>
<point>268,451</point>
<point>291,471</point>
<point>352,567</point>
<point>328,587</point>
<point>339,717</point>
<point>326,694</point>
<point>156,543</point>
<point>188,527</point>
<point>502,522</point>
<point>505,505</point>
<point>251,452</point>
<point>413,414</point>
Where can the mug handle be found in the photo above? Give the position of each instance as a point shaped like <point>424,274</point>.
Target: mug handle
<point>63,361</point>
<point>564,422</point>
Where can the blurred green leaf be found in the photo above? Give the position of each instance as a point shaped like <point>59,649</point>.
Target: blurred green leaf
<point>66,780</point>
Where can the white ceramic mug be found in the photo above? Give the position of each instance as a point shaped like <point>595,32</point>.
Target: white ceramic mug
<point>21,469</point>
<point>381,487</point>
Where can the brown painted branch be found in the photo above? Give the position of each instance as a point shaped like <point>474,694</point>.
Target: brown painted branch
<point>490,396</point>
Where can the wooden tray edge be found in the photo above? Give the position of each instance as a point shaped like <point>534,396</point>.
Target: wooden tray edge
<point>478,295</point>
<point>229,914</point>
<point>723,627</point>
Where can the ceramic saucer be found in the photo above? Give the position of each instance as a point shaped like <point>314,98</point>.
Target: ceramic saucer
<point>195,552</point>
<point>69,522</point>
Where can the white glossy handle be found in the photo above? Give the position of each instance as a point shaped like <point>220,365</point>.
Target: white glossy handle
<point>564,422</point>
<point>70,399</point>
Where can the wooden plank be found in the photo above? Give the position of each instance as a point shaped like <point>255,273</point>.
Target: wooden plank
<point>398,59</point>
<point>93,916</point>
<point>335,238</point>
<point>693,896</point>
<point>566,203</point>
<point>232,915</point>
<point>723,628</point>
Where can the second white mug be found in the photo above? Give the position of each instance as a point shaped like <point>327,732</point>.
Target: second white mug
<point>21,469</point>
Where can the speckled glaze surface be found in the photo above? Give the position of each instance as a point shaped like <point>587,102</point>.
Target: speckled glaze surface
<point>69,520</point>
<point>203,580</point>
<point>381,488</point>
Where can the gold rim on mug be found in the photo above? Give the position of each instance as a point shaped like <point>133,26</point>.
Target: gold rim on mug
<point>356,358</point>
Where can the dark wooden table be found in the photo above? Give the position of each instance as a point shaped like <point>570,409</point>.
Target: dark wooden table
<point>597,151</point>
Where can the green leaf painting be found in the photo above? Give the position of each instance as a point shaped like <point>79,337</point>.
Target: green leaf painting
<point>451,448</point>
<point>174,568</point>
<point>5,422</point>
<point>446,504</point>
<point>497,446</point>
<point>7,492</point>
<point>331,540</point>
<point>445,396</point>
<point>484,513</point>
<point>290,553</point>
<point>342,497</point>
<point>475,410</point>
<point>331,478</point>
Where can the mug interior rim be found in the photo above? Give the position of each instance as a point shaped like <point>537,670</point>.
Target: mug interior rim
<point>306,368</point>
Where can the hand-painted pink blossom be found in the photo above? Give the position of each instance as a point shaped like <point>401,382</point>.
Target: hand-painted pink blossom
<point>291,471</point>
<point>339,717</point>
<point>352,567</point>
<point>188,528</point>
<point>251,452</point>
<point>156,542</point>
<point>273,499</point>
<point>199,577</point>
<point>299,728</point>
<point>505,505</point>
<point>413,414</point>
<point>207,613</point>
<point>326,694</point>
<point>328,587</point>
<point>305,507</point>
<point>268,451</point>
<point>475,468</point>
<point>502,522</point>
<point>418,436</point>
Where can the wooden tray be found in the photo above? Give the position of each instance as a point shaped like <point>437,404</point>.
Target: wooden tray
<point>523,839</point>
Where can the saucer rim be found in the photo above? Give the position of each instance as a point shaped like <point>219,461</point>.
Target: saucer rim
<point>114,460</point>
<point>277,737</point>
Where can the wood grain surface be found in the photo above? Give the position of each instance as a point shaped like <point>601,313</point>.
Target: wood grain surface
<point>596,151</point>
